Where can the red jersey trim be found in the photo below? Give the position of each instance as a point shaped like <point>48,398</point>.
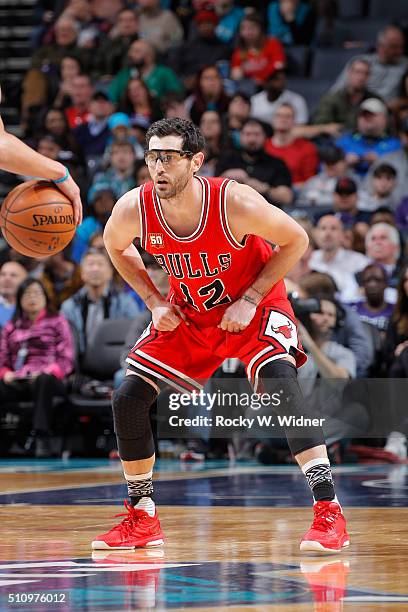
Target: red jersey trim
<point>224,217</point>
<point>203,217</point>
<point>142,217</point>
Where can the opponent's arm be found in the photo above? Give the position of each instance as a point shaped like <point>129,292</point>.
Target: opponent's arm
<point>122,228</point>
<point>17,157</point>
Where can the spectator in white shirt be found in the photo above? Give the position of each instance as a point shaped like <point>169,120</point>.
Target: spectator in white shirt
<point>333,259</point>
<point>264,103</point>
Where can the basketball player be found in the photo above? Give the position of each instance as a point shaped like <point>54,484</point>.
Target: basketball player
<point>17,157</point>
<point>212,237</point>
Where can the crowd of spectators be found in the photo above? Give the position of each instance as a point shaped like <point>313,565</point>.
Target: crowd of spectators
<point>103,71</point>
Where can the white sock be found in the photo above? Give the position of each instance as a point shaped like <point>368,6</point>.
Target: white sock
<point>146,504</point>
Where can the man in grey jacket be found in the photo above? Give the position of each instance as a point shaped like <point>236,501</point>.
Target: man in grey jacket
<point>98,299</point>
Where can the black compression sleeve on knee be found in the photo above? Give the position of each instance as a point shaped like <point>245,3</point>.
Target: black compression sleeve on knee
<point>131,405</point>
<point>281,376</point>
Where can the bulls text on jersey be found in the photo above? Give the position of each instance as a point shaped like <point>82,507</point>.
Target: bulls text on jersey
<point>185,265</point>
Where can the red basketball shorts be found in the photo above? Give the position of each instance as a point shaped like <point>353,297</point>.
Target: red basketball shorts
<point>186,357</point>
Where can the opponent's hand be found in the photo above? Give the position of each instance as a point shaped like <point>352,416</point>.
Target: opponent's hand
<point>71,189</point>
<point>238,316</point>
<point>167,317</point>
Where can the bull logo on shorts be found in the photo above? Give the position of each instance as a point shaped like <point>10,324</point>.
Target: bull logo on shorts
<point>285,330</point>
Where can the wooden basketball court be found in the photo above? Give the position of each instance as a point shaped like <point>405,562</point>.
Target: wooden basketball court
<point>232,534</point>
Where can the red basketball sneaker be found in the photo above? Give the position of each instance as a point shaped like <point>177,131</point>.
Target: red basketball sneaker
<point>137,529</point>
<point>328,531</point>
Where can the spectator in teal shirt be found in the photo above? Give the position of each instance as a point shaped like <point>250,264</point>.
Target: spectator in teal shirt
<point>159,79</point>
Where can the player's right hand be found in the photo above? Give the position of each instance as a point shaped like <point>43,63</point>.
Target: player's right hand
<point>71,190</point>
<point>167,317</point>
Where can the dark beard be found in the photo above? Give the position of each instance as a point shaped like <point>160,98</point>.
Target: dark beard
<point>176,188</point>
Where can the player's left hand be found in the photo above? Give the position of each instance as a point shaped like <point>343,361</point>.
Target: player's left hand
<point>238,316</point>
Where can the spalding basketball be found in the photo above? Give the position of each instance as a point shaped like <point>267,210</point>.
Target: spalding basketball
<point>37,219</point>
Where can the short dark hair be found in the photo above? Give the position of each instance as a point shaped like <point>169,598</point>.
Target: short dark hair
<point>374,266</point>
<point>385,170</point>
<point>97,251</point>
<point>18,313</point>
<point>256,121</point>
<point>122,144</point>
<point>193,140</point>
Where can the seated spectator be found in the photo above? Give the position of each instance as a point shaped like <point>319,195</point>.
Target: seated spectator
<point>230,16</point>
<point>61,277</point>
<point>55,123</point>
<point>291,21</point>
<point>211,129</point>
<point>121,131</point>
<point>52,147</point>
<point>12,274</point>
<point>346,203</point>
<point>399,161</point>
<point>396,342</point>
<point>318,190</point>
<point>36,354</point>
<point>332,258</point>
<point>209,95</point>
<point>401,216</point>
<point>141,62</point>
<point>61,90</point>
<point>383,214</point>
<point>274,94</point>
<point>401,101</point>
<point>97,300</point>
<point>256,56</point>
<point>138,103</point>
<point>102,202</point>
<point>238,112</point>
<point>299,154</point>
<point>350,331</point>
<point>81,95</point>
<point>45,63</point>
<point>380,190</point>
<point>396,355</point>
<point>301,268</point>
<point>387,64</point>
<point>159,26</point>
<point>93,135</point>
<point>113,49</point>
<point>370,140</point>
<point>328,360</point>
<point>253,166</point>
<point>118,176</point>
<point>342,105</point>
<point>81,12</point>
<point>373,308</point>
<point>383,247</point>
<point>205,49</point>
<point>174,106</point>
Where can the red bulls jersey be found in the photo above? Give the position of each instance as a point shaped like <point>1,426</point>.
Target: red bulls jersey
<point>209,269</point>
